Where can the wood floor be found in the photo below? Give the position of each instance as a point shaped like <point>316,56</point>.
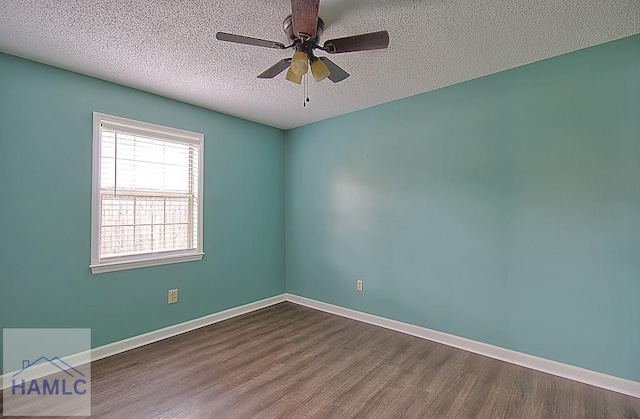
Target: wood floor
<point>294,362</point>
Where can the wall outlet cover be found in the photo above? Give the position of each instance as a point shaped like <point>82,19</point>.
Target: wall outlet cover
<point>173,296</point>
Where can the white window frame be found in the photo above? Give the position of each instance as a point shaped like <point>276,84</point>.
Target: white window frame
<point>119,263</point>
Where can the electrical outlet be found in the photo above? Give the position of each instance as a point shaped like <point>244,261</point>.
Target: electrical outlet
<point>359,285</point>
<point>173,296</point>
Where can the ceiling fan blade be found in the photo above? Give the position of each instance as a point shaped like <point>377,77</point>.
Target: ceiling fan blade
<point>275,69</point>
<point>229,37</point>
<point>364,42</point>
<point>336,74</point>
<point>305,17</point>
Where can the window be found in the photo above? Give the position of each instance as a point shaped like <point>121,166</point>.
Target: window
<point>147,195</point>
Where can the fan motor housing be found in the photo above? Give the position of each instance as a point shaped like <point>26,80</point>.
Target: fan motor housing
<point>287,25</point>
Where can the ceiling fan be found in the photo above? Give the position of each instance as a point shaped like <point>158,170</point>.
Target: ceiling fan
<point>303,29</point>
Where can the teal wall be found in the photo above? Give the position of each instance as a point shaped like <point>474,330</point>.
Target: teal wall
<point>45,210</point>
<point>505,209</point>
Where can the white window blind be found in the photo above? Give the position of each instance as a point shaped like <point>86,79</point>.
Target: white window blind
<point>149,194</point>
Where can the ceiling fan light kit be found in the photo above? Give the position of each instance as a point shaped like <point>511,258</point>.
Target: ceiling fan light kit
<point>319,70</point>
<point>300,63</point>
<point>293,77</point>
<point>304,29</point>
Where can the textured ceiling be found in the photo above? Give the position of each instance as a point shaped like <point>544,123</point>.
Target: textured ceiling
<point>168,47</point>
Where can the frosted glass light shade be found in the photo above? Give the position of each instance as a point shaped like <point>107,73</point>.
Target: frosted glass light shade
<point>293,77</point>
<point>300,63</point>
<point>319,70</point>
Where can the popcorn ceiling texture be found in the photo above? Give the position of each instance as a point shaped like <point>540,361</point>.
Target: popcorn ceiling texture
<point>168,47</point>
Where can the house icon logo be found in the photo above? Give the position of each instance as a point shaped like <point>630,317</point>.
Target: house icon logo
<point>72,381</point>
<point>55,361</point>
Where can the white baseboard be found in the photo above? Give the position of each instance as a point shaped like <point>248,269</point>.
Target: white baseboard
<point>608,382</point>
<point>42,370</point>
<point>177,329</point>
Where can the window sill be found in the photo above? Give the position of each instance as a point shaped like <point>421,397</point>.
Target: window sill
<point>144,263</point>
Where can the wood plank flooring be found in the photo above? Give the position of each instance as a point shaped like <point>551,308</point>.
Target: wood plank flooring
<point>290,361</point>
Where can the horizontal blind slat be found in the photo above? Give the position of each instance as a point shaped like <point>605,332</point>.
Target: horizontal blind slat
<point>148,133</point>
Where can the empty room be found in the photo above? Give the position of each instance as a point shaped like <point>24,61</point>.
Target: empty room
<point>320,209</point>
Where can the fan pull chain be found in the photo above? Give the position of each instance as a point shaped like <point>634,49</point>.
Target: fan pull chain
<point>305,91</point>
